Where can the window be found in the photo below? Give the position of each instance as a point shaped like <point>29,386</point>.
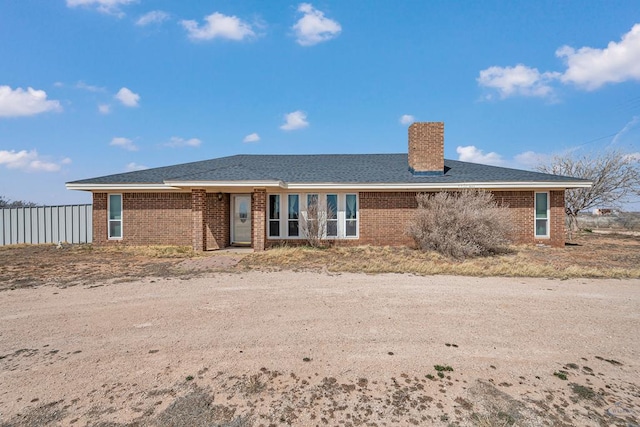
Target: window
<point>274,215</point>
<point>351,215</point>
<point>115,216</point>
<point>338,211</point>
<point>542,214</point>
<point>332,215</point>
<point>293,215</point>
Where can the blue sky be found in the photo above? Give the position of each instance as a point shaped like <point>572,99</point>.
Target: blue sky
<point>95,87</point>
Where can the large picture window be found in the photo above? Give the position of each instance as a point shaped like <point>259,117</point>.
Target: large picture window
<point>288,213</point>
<point>115,216</point>
<point>542,215</point>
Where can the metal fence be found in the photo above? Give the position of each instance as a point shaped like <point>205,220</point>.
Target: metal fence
<point>46,224</point>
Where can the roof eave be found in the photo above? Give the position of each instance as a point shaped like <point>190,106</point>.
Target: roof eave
<point>439,185</point>
<point>232,184</point>
<point>182,185</point>
<point>118,187</point>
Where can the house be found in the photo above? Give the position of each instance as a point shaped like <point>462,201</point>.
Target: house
<point>260,200</point>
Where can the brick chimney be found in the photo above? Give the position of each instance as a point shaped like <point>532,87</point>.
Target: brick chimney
<point>426,148</point>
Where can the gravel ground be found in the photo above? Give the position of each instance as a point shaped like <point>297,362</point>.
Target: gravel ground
<point>302,348</point>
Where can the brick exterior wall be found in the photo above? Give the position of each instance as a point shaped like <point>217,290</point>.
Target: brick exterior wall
<point>198,216</point>
<point>557,220</point>
<point>218,221</point>
<point>147,219</point>
<point>384,217</point>
<point>258,219</point>
<point>100,218</point>
<point>426,147</point>
<point>202,221</point>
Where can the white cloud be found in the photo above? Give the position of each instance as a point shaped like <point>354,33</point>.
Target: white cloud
<point>153,17</point>
<point>591,68</point>
<point>19,102</point>
<point>176,141</point>
<point>295,120</point>
<point>314,27</point>
<point>111,7</point>
<point>29,161</point>
<point>90,88</point>
<point>531,159</point>
<point>474,155</point>
<point>407,119</point>
<point>218,25</point>
<point>588,68</point>
<point>125,143</point>
<point>135,167</point>
<point>104,108</point>
<point>127,97</point>
<point>252,137</point>
<point>518,80</point>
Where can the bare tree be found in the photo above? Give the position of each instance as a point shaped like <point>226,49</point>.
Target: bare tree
<point>615,176</point>
<point>6,203</point>
<point>314,224</point>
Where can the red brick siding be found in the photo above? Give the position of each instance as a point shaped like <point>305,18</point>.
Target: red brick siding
<point>147,219</point>
<point>169,219</point>
<point>198,217</point>
<point>218,221</point>
<point>258,219</point>
<point>426,147</point>
<point>99,218</point>
<point>384,217</point>
<point>557,221</point>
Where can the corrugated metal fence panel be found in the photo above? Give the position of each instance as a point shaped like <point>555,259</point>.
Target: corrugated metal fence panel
<point>46,224</point>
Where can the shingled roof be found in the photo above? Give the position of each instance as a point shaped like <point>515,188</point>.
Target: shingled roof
<point>326,168</point>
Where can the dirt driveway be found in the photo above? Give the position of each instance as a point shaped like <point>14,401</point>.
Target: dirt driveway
<point>287,348</point>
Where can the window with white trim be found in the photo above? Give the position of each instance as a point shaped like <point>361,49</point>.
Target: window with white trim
<point>542,214</point>
<point>293,216</point>
<point>339,211</point>
<point>312,211</point>
<point>332,215</point>
<point>274,215</point>
<point>351,215</point>
<point>115,216</point>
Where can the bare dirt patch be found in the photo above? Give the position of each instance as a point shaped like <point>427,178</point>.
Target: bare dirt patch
<point>588,255</point>
<point>284,348</point>
<point>36,265</point>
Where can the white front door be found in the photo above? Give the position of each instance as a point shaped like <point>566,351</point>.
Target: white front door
<point>241,219</point>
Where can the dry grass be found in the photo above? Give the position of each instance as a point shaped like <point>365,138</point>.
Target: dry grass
<point>618,259</point>
<point>154,251</point>
<point>589,255</point>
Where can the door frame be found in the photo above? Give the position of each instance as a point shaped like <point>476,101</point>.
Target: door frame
<point>232,220</point>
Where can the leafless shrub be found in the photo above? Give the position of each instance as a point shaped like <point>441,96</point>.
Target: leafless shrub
<point>615,176</point>
<point>313,225</point>
<point>629,220</point>
<point>461,224</point>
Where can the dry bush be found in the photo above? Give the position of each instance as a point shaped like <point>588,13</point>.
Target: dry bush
<point>461,224</point>
<point>313,225</point>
